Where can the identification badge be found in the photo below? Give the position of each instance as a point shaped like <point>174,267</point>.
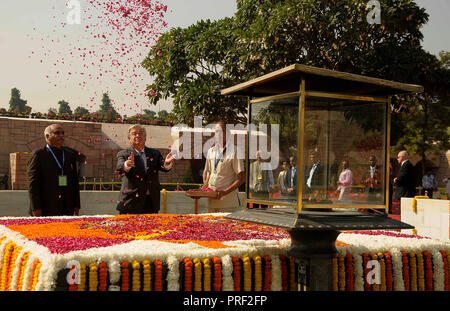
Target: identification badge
<point>212,179</point>
<point>62,180</point>
<point>259,176</point>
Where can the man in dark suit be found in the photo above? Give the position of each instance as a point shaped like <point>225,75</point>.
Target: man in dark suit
<point>53,184</point>
<point>314,175</point>
<point>404,181</point>
<point>290,179</point>
<point>139,167</point>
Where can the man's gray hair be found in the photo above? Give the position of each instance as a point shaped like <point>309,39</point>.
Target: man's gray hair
<point>48,129</point>
<point>404,152</point>
<point>136,125</point>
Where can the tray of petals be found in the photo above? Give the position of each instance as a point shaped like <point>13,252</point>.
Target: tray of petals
<point>201,193</point>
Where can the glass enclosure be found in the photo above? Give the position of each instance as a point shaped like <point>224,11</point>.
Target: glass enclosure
<point>273,141</point>
<point>343,153</point>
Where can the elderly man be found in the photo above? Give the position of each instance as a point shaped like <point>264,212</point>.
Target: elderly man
<point>223,172</point>
<point>404,181</point>
<point>53,177</point>
<point>139,167</point>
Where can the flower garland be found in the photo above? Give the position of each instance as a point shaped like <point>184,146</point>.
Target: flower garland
<point>206,275</point>
<point>413,271</point>
<point>267,273</point>
<point>236,273</point>
<point>341,272</point>
<point>388,265</point>
<point>405,263</point>
<point>217,286</point>
<point>247,269</point>
<point>446,269</point>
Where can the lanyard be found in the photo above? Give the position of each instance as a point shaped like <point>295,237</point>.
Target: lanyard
<point>56,159</point>
<point>216,161</point>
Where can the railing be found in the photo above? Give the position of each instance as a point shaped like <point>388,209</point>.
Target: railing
<point>100,184</point>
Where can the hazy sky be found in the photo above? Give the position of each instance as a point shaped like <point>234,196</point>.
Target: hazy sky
<point>27,28</point>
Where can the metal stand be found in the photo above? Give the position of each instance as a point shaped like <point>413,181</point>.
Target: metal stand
<point>313,235</point>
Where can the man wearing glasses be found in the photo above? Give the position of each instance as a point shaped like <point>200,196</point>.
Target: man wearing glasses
<point>53,177</point>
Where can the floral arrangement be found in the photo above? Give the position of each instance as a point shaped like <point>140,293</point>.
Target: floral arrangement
<point>198,253</point>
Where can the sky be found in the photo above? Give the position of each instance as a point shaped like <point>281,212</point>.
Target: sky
<point>49,60</point>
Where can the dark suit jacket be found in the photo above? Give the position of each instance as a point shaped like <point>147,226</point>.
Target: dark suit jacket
<point>287,179</point>
<point>317,182</point>
<point>43,189</point>
<point>405,186</point>
<point>132,197</point>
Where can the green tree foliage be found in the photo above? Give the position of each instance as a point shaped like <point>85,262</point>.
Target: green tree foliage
<point>81,111</point>
<point>64,108</point>
<point>193,64</point>
<point>106,110</point>
<point>16,104</point>
<point>188,67</point>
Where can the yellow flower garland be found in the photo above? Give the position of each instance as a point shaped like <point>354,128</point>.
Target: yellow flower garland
<point>420,271</point>
<point>93,277</point>
<point>206,275</point>
<point>35,274</point>
<point>22,267</point>
<point>9,248</point>
<point>382,271</point>
<point>136,277</point>
<point>258,273</point>
<point>82,285</point>
<point>247,273</point>
<point>197,274</point>
<point>146,267</point>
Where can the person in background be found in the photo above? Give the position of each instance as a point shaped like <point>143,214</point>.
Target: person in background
<point>53,184</point>
<point>372,180</point>
<point>314,175</point>
<point>404,181</point>
<point>281,177</point>
<point>429,183</point>
<point>345,181</point>
<point>290,179</point>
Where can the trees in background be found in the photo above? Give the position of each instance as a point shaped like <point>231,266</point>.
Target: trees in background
<point>191,65</point>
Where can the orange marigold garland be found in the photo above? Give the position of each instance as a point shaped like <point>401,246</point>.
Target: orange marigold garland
<point>237,269</point>
<point>217,285</point>
<point>103,276</point>
<point>35,274</point>
<point>22,267</point>
<point>387,255</point>
<point>158,275</point>
<point>125,277</point>
<point>428,271</point>
<point>188,271</point>
<point>7,254</point>
<point>382,271</point>
<point>284,273</point>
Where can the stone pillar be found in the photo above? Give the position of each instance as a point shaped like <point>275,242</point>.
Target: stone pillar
<point>18,170</point>
<point>314,251</point>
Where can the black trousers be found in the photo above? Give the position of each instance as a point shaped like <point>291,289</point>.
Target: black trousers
<point>148,208</point>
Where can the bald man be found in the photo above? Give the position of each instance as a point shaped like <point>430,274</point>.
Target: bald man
<point>404,181</point>
<point>53,184</point>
